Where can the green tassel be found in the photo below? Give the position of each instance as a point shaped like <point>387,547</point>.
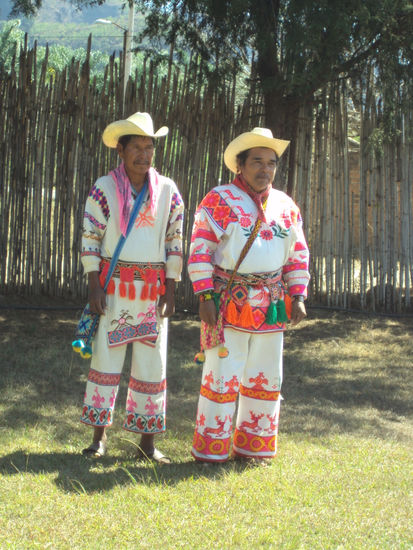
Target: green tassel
<point>282,314</point>
<point>271,317</point>
<point>217,297</point>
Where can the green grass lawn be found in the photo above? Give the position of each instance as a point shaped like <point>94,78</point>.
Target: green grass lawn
<point>342,477</point>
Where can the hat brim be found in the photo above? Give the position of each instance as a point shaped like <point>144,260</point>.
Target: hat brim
<point>119,128</point>
<point>248,140</point>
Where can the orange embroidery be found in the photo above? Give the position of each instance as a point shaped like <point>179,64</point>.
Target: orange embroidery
<point>145,218</point>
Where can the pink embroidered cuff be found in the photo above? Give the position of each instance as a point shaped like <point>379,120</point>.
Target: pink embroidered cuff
<point>297,289</point>
<point>203,285</point>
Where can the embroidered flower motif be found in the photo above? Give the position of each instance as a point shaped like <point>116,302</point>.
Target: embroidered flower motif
<point>286,219</point>
<point>245,217</point>
<point>244,221</point>
<point>266,234</point>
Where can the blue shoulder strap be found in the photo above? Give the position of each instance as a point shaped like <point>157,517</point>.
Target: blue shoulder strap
<point>136,207</point>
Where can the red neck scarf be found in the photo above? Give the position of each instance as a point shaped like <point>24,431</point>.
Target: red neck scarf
<point>258,198</point>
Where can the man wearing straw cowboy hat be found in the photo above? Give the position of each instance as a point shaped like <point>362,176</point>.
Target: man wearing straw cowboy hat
<point>249,266</point>
<point>140,294</point>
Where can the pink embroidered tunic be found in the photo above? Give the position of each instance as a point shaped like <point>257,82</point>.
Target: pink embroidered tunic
<point>276,263</point>
<point>151,253</point>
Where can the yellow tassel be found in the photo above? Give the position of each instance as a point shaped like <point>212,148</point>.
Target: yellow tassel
<point>231,314</point>
<point>199,358</point>
<point>246,319</point>
<point>223,352</point>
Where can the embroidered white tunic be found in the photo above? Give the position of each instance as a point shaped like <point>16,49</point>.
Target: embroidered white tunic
<point>153,247</point>
<point>223,222</point>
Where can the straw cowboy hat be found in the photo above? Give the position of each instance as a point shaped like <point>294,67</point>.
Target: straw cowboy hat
<point>258,137</point>
<point>139,124</point>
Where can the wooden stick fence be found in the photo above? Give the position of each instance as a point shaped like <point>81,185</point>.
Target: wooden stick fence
<point>359,228</point>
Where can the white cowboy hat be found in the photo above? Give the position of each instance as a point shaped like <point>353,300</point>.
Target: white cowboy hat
<point>139,124</point>
<point>258,137</point>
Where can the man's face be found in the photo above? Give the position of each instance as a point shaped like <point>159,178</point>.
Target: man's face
<point>137,156</point>
<point>259,168</point>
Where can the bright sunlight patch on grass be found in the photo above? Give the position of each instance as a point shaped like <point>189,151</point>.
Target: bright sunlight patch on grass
<point>342,477</point>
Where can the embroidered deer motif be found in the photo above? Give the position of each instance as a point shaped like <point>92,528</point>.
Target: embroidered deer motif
<point>259,381</point>
<point>216,431</point>
<point>253,426</point>
<point>273,426</point>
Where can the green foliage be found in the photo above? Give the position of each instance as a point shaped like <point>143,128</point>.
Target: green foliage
<point>11,39</point>
<point>300,46</point>
<point>61,57</point>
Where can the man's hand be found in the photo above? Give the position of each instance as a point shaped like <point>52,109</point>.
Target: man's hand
<point>166,304</point>
<point>208,312</point>
<point>97,297</point>
<point>298,312</point>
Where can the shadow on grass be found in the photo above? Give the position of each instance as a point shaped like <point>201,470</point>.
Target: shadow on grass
<point>335,380</point>
<point>80,475</point>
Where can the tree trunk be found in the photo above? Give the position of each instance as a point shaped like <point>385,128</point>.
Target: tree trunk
<point>281,108</point>
<point>281,116</point>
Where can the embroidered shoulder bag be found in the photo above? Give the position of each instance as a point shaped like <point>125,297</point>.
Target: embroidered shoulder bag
<point>214,336</point>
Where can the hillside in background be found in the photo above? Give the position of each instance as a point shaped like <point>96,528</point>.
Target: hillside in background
<point>58,22</point>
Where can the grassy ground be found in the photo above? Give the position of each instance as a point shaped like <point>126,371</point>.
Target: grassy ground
<point>342,478</point>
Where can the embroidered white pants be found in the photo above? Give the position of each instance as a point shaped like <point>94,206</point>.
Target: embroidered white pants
<point>252,372</point>
<point>145,402</point>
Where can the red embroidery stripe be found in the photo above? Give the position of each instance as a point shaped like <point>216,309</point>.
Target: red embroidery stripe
<point>228,397</point>
<point>103,378</point>
<point>252,443</point>
<point>204,234</point>
<point>297,289</point>
<point>294,267</point>
<point>199,258</point>
<point>151,388</point>
<point>211,446</point>
<point>263,395</point>
<point>203,284</point>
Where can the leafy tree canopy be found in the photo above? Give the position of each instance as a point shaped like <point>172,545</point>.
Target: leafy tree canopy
<point>298,46</point>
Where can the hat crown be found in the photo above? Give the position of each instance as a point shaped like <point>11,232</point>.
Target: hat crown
<point>258,137</point>
<point>142,121</point>
<point>138,124</point>
<point>265,132</point>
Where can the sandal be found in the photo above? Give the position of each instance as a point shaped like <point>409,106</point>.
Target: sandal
<point>95,450</point>
<point>154,455</point>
